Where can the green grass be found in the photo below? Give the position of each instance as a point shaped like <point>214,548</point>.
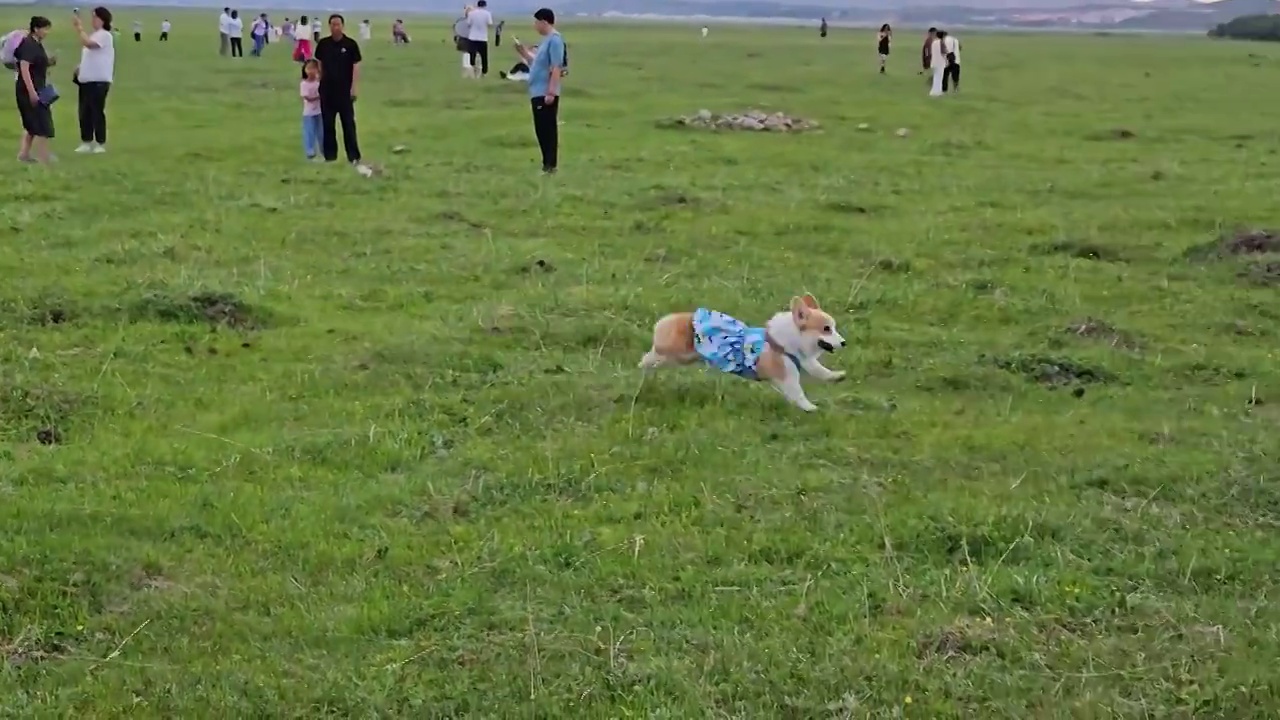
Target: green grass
<point>411,475</point>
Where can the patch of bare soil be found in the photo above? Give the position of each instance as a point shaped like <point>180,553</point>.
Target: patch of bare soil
<point>40,410</point>
<point>963,639</point>
<point>1266,274</point>
<point>1101,330</point>
<point>1113,134</point>
<point>893,265</point>
<point>51,315</point>
<point>751,120</point>
<point>145,579</point>
<point>1082,250</point>
<point>537,266</point>
<point>1053,372</point>
<point>457,217</point>
<point>1240,242</point>
<point>29,651</point>
<point>219,309</point>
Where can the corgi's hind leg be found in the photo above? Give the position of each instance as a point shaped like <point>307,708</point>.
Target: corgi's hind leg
<point>672,342</point>
<point>651,360</point>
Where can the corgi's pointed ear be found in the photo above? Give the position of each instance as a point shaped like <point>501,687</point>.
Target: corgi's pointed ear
<point>799,311</point>
<point>810,301</point>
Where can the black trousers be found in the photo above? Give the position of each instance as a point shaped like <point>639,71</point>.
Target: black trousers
<point>137,37</point>
<point>93,112</point>
<point>343,109</point>
<point>547,129</point>
<point>237,47</point>
<point>164,37</point>
<point>497,40</point>
<point>479,48</point>
<point>951,77</point>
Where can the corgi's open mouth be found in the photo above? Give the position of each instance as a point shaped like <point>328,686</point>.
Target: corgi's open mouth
<point>826,346</point>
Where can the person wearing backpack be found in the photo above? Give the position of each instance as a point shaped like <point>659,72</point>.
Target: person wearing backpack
<point>546,67</point>
<point>34,93</point>
<point>94,76</point>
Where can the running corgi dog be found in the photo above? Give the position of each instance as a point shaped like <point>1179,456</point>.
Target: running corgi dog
<point>791,343</point>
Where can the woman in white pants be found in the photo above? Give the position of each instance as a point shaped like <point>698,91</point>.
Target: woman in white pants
<point>937,65</point>
<point>461,44</point>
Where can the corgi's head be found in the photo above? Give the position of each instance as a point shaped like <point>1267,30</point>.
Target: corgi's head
<point>817,328</point>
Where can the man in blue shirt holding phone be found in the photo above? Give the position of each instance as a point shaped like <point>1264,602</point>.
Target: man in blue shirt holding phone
<point>546,67</point>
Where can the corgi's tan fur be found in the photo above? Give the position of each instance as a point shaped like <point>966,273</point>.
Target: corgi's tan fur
<point>802,333</point>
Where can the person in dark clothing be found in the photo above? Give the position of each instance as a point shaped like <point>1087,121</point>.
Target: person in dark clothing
<point>497,33</point>
<point>822,29</point>
<point>883,38</point>
<point>926,62</point>
<point>951,51</point>
<point>32,92</point>
<point>235,29</point>
<point>339,57</point>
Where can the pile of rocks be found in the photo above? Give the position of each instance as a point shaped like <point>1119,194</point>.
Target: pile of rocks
<point>749,120</point>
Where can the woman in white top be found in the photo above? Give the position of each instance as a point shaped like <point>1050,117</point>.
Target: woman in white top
<point>235,32</point>
<point>94,75</point>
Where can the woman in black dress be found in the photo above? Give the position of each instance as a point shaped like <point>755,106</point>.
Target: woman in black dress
<point>882,44</point>
<point>33,92</point>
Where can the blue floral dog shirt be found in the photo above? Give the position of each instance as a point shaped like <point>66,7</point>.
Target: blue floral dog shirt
<point>727,344</point>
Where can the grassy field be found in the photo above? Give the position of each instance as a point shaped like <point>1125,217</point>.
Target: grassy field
<point>277,440</point>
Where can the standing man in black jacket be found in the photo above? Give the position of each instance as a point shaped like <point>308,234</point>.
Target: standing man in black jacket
<point>339,58</point>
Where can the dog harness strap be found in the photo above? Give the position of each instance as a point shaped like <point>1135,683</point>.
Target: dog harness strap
<point>778,346</point>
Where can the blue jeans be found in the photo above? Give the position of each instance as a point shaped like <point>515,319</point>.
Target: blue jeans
<point>259,41</point>
<point>312,135</point>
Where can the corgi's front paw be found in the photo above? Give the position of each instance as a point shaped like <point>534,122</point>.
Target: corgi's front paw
<point>808,407</point>
<point>836,376</point>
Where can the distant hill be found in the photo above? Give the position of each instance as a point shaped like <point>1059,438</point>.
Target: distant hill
<point>1089,15</point>
<point>1160,15</point>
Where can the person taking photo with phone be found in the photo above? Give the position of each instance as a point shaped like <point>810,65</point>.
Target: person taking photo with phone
<point>94,76</point>
<point>546,67</point>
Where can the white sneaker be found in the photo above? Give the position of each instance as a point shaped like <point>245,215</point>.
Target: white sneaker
<point>84,148</point>
<point>99,149</point>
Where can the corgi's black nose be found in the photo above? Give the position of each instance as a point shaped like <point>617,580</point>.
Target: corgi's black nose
<point>843,342</point>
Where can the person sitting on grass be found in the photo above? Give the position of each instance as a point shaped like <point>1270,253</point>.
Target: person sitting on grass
<point>520,71</point>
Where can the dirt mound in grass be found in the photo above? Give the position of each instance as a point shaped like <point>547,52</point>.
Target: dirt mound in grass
<point>1096,329</point>
<point>753,120</point>
<point>1052,372</point>
<point>1240,242</point>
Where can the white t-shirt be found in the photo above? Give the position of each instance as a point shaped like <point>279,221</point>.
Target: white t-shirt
<point>315,26</point>
<point>478,22</point>
<point>224,21</point>
<point>951,45</point>
<point>235,27</point>
<point>164,26</point>
<point>99,64</point>
<point>366,32</point>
